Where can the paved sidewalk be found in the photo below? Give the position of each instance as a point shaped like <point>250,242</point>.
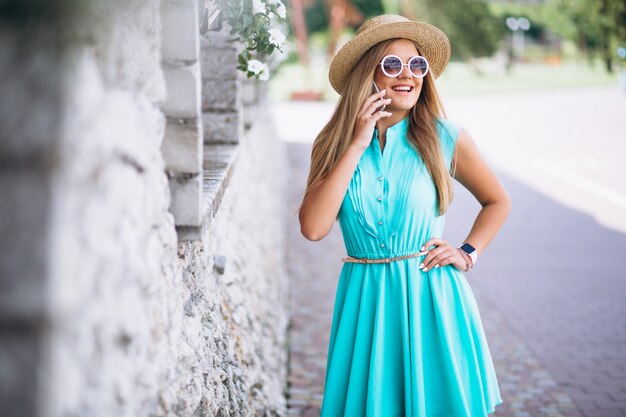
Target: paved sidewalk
<point>551,289</point>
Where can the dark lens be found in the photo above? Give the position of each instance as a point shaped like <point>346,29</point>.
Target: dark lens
<point>418,66</point>
<point>392,65</point>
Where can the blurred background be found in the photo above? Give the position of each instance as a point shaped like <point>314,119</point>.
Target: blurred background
<point>497,45</point>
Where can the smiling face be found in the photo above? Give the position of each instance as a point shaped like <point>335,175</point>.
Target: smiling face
<point>401,100</point>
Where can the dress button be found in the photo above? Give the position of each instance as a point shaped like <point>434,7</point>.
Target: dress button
<point>380,222</point>
<point>382,245</point>
<point>379,199</point>
<point>380,178</point>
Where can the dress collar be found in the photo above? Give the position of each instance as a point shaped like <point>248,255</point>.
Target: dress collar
<point>399,129</point>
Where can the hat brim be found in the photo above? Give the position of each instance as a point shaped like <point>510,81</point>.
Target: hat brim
<point>432,43</point>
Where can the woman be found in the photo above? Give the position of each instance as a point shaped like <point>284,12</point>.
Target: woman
<point>406,336</point>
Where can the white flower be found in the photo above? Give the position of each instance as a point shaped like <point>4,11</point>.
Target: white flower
<point>255,66</point>
<point>258,6</point>
<point>276,37</point>
<point>259,69</point>
<point>265,74</point>
<point>281,11</point>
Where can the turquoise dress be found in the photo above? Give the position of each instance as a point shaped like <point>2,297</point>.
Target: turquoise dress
<point>403,342</point>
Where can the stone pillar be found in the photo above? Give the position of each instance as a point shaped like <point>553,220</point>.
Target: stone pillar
<point>222,116</point>
<point>182,145</point>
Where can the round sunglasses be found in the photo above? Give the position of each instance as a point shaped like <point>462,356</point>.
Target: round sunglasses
<point>392,66</point>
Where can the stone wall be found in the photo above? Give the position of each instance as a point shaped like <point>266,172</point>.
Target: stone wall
<point>239,297</point>
<point>103,310</point>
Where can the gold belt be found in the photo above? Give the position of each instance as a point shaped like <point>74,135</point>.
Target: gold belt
<point>382,260</point>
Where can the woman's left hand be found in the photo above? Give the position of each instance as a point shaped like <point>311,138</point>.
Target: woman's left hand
<point>442,254</point>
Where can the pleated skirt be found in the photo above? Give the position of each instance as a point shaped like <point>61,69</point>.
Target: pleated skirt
<point>407,343</point>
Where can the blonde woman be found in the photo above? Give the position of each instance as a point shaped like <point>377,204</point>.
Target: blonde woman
<point>406,337</point>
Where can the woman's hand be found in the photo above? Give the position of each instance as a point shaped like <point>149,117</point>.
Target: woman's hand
<point>366,118</point>
<point>443,254</point>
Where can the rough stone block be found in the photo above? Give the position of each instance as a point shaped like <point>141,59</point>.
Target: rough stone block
<point>186,200</point>
<point>23,367</point>
<point>221,95</point>
<point>222,127</point>
<point>32,86</point>
<point>181,32</point>
<point>218,63</point>
<point>23,247</point>
<point>182,146</point>
<point>183,91</point>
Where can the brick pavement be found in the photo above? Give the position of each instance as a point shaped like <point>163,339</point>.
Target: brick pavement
<point>555,276</point>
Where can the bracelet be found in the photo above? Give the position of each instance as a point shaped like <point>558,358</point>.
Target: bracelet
<point>469,264</point>
<point>470,260</point>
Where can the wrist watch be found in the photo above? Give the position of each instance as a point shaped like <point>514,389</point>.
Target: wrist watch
<point>470,250</point>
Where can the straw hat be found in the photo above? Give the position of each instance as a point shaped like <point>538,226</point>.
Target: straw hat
<point>432,44</point>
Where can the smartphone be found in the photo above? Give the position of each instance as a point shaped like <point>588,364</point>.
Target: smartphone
<point>377,90</point>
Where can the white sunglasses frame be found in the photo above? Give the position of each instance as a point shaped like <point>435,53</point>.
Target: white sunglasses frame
<point>404,65</point>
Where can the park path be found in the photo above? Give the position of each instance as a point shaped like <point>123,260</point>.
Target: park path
<point>551,287</point>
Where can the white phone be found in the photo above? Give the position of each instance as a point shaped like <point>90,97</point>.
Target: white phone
<point>378,91</point>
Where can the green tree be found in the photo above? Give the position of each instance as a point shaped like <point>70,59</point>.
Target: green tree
<point>473,30</point>
<point>595,25</point>
<point>315,16</point>
<point>534,12</point>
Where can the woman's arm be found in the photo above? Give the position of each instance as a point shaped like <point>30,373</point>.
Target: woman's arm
<point>321,204</point>
<point>475,175</point>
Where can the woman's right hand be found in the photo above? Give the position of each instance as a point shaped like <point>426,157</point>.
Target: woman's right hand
<point>366,118</point>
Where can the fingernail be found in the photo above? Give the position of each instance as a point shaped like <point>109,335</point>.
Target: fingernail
<point>422,248</point>
<point>437,266</point>
<point>421,265</point>
<point>425,269</point>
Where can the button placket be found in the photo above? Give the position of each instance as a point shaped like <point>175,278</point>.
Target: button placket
<point>381,199</point>
<point>378,182</point>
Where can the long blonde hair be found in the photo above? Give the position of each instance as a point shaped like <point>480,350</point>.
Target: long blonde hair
<point>335,137</point>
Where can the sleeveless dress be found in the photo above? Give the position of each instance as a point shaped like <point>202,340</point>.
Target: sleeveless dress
<point>403,342</point>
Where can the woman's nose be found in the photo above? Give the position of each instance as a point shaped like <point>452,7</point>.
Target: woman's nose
<point>405,72</point>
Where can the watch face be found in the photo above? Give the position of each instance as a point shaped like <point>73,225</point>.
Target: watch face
<point>468,248</point>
